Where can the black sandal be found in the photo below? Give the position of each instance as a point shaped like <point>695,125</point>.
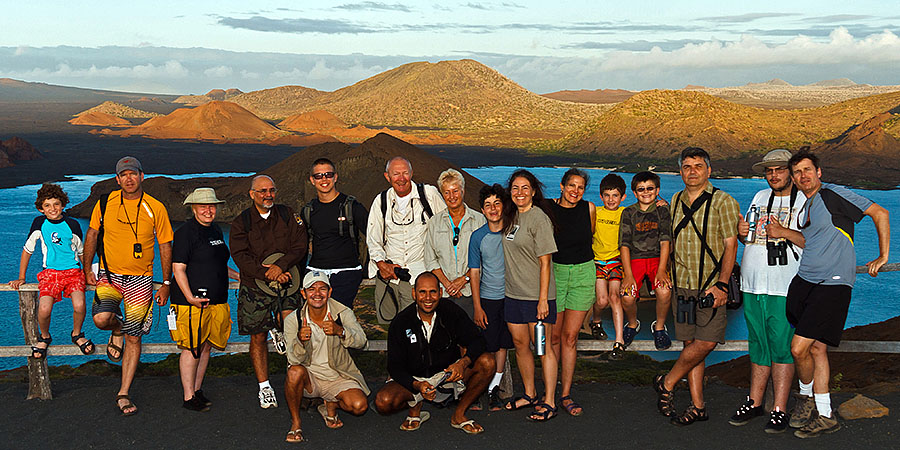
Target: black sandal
<point>41,351</point>
<point>110,347</point>
<point>665,399</point>
<point>691,415</point>
<point>84,346</point>
<point>542,416</point>
<point>511,405</point>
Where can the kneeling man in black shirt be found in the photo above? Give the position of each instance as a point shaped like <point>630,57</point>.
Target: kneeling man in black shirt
<point>425,341</point>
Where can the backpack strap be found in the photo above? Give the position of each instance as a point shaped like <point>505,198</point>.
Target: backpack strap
<point>384,209</point>
<point>305,212</point>
<point>424,200</point>
<point>101,250</point>
<point>347,209</point>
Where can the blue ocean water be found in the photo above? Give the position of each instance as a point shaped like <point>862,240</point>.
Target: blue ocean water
<point>873,299</point>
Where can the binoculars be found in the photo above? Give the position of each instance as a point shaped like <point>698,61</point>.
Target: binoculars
<point>776,253</point>
<point>686,308</point>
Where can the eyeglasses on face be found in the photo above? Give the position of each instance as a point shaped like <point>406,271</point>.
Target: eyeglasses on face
<point>645,188</point>
<point>774,170</point>
<point>264,191</point>
<point>319,176</point>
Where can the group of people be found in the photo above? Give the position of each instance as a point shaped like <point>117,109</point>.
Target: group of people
<point>459,287</point>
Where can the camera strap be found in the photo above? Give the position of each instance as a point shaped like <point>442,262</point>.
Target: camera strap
<point>705,249</point>
<point>790,216</point>
<point>388,291</point>
<point>195,352</point>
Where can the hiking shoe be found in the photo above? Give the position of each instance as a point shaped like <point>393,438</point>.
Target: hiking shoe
<point>746,412</point>
<point>199,395</point>
<point>778,422</point>
<point>267,398</point>
<point>618,352</point>
<point>629,333</point>
<point>597,331</point>
<point>803,412</point>
<point>494,401</point>
<point>194,404</point>
<point>661,338</point>
<point>278,341</point>
<point>817,426</point>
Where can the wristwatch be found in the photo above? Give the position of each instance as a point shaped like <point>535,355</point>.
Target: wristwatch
<point>723,286</point>
<point>167,283</point>
<point>467,278</point>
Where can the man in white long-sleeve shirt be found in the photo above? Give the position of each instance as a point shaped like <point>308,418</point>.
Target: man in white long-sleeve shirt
<point>395,235</point>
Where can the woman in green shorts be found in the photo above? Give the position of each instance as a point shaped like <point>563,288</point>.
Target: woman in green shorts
<point>573,266</point>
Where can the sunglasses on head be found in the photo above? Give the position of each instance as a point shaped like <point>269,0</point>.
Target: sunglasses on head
<point>319,176</point>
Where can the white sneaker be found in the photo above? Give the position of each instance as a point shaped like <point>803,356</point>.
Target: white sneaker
<point>278,341</point>
<point>267,398</point>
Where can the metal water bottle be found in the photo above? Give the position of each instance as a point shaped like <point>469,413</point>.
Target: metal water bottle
<point>540,338</point>
<point>752,218</point>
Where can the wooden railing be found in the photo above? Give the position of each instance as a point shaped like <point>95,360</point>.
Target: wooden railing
<point>39,376</point>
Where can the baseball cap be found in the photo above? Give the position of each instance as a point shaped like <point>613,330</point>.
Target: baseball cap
<point>313,276</point>
<point>128,163</point>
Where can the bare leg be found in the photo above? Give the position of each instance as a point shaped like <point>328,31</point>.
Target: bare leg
<point>78,311</point>
<point>556,335</point>
<point>759,378</point>
<point>549,368</point>
<point>782,378</point>
<point>296,381</point>
<point>803,360</point>
<point>601,289</point>
<point>187,367</point>
<point>259,356</point>
<point>130,360</point>
<point>615,304</point>
<point>695,383</point>
<point>822,375</point>
<point>353,401</point>
<point>629,307</point>
<point>476,380</point>
<point>201,366</point>
<point>663,306</point>
<point>693,354</point>
<point>500,358</point>
<point>568,327</point>
<point>521,336</point>
<point>45,307</point>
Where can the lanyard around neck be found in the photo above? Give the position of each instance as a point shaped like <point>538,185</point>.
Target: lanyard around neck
<point>134,229</point>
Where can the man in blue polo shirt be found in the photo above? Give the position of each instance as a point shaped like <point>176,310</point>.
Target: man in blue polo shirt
<point>819,295</point>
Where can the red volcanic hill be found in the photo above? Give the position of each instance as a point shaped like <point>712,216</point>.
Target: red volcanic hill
<point>312,121</point>
<point>863,154</point>
<point>16,149</point>
<point>99,119</point>
<point>213,121</point>
<point>594,96</point>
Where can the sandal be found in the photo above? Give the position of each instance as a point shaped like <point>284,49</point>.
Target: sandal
<point>41,352</point>
<point>469,423</point>
<point>330,421</point>
<point>294,436</point>
<point>87,343</point>
<point>114,347</point>
<point>691,415</point>
<point>542,416</point>
<point>665,399</point>
<point>127,405</point>
<point>597,331</point>
<point>572,406</point>
<point>423,417</point>
<point>513,404</point>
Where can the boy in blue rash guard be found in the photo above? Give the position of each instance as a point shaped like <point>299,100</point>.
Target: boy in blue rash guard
<point>819,295</point>
<point>61,245</point>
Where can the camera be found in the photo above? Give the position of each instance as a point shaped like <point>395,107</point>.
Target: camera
<point>685,310</point>
<point>401,273</point>
<point>706,301</point>
<point>776,253</point>
<point>204,294</point>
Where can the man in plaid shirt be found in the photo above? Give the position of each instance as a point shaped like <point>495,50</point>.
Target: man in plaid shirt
<point>704,221</point>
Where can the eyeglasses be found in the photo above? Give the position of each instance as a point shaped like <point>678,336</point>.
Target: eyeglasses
<point>319,176</point>
<point>455,236</point>
<point>264,191</point>
<point>645,189</point>
<point>774,170</point>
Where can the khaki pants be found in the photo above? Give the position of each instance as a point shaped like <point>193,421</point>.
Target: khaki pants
<point>387,305</point>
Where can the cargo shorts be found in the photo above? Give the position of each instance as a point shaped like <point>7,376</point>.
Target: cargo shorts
<point>256,309</point>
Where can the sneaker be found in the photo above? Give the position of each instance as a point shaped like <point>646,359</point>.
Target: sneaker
<point>817,426</point>
<point>778,422</point>
<point>199,395</point>
<point>661,338</point>
<point>194,404</point>
<point>267,398</point>
<point>597,331</point>
<point>803,412</point>
<point>745,413</point>
<point>618,352</point>
<point>629,333</point>
<point>278,341</point>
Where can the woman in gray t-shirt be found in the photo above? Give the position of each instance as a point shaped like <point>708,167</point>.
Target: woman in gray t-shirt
<point>528,246</point>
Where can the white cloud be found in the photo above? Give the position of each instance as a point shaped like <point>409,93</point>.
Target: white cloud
<point>218,72</point>
<point>840,48</point>
<point>322,71</point>
<point>170,69</point>
<point>247,75</point>
<point>20,50</point>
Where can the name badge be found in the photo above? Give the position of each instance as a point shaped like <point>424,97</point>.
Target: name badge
<point>512,234</point>
<point>173,324</point>
<point>411,335</point>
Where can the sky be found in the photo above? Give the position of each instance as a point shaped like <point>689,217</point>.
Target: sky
<point>179,47</point>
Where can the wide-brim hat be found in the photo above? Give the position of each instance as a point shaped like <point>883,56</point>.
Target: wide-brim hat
<point>275,288</point>
<point>203,196</point>
<point>775,158</point>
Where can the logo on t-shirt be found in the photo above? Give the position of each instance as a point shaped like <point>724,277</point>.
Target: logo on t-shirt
<point>54,238</point>
<point>411,335</point>
<point>512,234</point>
<point>216,242</point>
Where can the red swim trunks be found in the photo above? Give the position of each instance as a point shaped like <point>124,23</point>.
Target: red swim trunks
<point>59,283</point>
<point>645,268</point>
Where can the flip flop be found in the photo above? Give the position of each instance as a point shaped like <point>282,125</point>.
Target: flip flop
<point>128,405</point>
<point>111,346</point>
<point>294,436</point>
<point>423,417</point>
<point>462,426</point>
<point>330,421</point>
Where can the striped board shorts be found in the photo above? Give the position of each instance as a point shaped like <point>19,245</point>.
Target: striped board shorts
<point>135,292</point>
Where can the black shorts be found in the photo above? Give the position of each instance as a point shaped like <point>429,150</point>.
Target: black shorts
<point>497,332</point>
<point>345,286</point>
<point>818,311</point>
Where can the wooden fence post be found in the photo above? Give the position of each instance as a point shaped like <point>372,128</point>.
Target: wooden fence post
<point>38,374</point>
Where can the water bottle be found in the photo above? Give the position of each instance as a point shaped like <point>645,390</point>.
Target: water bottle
<point>540,338</point>
<point>752,218</point>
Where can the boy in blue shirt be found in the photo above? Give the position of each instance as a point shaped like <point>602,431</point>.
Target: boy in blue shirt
<point>61,244</point>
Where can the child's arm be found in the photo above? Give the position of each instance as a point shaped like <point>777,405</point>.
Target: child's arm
<point>628,285</point>
<point>23,267</point>
<point>662,274</point>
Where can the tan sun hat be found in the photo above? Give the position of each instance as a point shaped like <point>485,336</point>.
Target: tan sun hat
<point>775,158</point>
<point>203,196</point>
